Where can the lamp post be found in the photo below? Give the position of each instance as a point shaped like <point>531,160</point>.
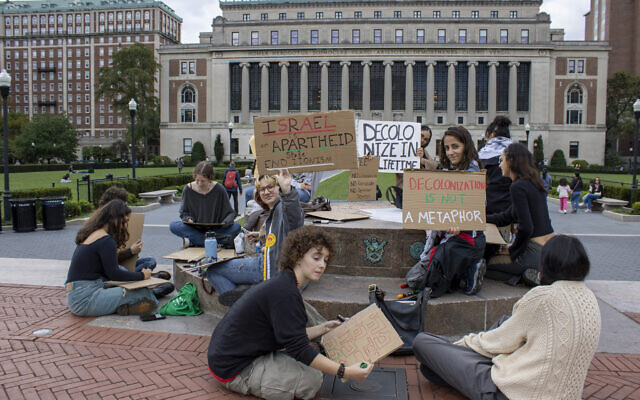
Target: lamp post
<point>527,129</point>
<point>634,186</point>
<point>230,145</point>
<point>5,86</point>
<point>133,106</point>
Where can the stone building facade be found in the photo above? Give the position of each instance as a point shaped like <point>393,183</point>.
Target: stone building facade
<point>441,63</point>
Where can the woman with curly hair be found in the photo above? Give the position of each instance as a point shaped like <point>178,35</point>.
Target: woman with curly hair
<point>262,345</point>
<point>95,260</point>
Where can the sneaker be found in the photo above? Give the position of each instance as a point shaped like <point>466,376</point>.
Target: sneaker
<point>474,277</point>
<point>588,210</point>
<point>530,277</point>
<point>581,205</point>
<point>162,290</point>
<point>186,243</point>
<point>561,211</point>
<point>140,308</point>
<point>229,297</point>
<point>574,211</point>
<point>161,275</point>
<point>564,212</point>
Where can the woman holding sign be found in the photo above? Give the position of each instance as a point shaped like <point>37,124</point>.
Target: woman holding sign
<point>245,352</point>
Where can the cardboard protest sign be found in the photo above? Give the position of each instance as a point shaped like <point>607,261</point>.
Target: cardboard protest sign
<point>493,235</point>
<point>190,254</point>
<point>306,142</point>
<point>395,142</point>
<point>362,181</point>
<point>135,226</point>
<point>367,336</point>
<point>138,284</point>
<point>444,199</point>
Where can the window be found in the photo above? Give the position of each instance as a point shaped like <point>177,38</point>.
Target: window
<point>274,88</point>
<point>524,36</point>
<point>355,36</point>
<point>376,84</point>
<point>301,15</point>
<point>455,14</point>
<point>314,37</point>
<point>440,76</point>
<point>192,67</point>
<point>293,37</point>
<point>397,14</point>
<point>377,14</point>
<point>184,67</point>
<point>235,39</point>
<point>572,66</point>
<point>420,36</point>
<point>475,14</point>
<point>504,36</point>
<point>254,38</point>
<point>274,37</point>
<point>436,14</point>
<point>513,14</point>
<point>399,36</point>
<point>442,36</point>
<point>523,84</point>
<point>335,36</point>
<point>377,36</point>
<point>186,145</point>
<point>483,36</point>
<point>319,15</point>
<point>574,146</point>
<point>462,36</point>
<point>357,14</point>
<point>264,16</point>
<point>417,14</point>
<point>338,14</point>
<point>282,16</point>
<point>574,95</point>
<point>581,66</point>
<point>246,17</point>
<point>494,14</point>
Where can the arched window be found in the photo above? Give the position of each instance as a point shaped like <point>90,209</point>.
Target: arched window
<point>188,104</point>
<point>574,95</point>
<point>574,106</point>
<point>188,95</point>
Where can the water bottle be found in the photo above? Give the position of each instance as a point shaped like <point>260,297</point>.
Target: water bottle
<point>258,247</point>
<point>211,246</point>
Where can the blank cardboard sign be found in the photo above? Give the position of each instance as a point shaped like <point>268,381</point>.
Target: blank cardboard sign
<point>135,226</point>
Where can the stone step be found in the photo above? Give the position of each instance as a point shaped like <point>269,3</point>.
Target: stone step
<point>451,314</point>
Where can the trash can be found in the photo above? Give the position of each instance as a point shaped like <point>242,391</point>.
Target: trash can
<point>53,212</point>
<point>23,212</point>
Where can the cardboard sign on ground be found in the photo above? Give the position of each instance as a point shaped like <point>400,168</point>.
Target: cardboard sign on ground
<point>395,142</point>
<point>493,235</point>
<point>367,336</point>
<point>190,254</point>
<point>137,284</point>
<point>362,181</point>
<point>337,215</point>
<point>444,199</point>
<point>136,224</point>
<point>306,142</point>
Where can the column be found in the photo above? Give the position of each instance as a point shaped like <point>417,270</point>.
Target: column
<point>471,93</point>
<point>492,90</point>
<point>324,86</point>
<point>345,85</point>
<point>408,90</point>
<point>304,86</point>
<point>264,88</point>
<point>451,93</point>
<point>513,91</point>
<point>284,87</point>
<point>366,90</point>
<point>430,93</point>
<point>244,113</point>
<point>387,90</point>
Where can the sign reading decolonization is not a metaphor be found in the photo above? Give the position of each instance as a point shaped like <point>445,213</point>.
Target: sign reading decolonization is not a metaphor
<point>444,199</point>
<point>306,142</point>
<point>395,142</point>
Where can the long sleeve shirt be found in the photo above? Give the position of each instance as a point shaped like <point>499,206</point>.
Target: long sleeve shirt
<point>99,260</point>
<point>212,207</point>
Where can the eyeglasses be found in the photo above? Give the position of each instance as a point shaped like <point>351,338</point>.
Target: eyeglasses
<point>267,188</point>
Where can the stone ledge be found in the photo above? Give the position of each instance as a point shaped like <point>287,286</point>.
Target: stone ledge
<point>621,217</point>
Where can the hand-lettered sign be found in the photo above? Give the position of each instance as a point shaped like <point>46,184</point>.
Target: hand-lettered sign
<point>395,142</point>
<point>362,182</point>
<point>306,142</point>
<point>367,336</point>
<point>444,199</point>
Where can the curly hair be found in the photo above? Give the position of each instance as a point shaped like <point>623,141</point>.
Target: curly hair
<point>113,216</point>
<point>256,193</point>
<point>300,241</point>
<point>205,169</point>
<point>112,193</point>
<point>470,153</point>
<point>522,165</point>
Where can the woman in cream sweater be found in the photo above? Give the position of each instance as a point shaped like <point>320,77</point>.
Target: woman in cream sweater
<point>542,351</point>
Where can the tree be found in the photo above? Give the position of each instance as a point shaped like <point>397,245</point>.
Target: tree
<point>218,149</point>
<point>558,160</point>
<point>47,137</point>
<point>133,76</point>
<point>538,150</point>
<point>198,153</point>
<point>622,91</point>
<point>15,122</point>
<point>120,148</point>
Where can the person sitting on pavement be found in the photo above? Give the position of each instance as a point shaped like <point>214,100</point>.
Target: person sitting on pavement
<point>232,183</point>
<point>529,210</point>
<point>262,345</point>
<point>95,260</point>
<point>275,195</point>
<point>595,192</point>
<point>543,351</point>
<point>205,201</point>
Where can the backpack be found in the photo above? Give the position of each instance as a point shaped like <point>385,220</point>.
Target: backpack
<point>230,180</point>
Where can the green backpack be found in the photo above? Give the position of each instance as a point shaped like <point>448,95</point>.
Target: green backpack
<point>185,302</point>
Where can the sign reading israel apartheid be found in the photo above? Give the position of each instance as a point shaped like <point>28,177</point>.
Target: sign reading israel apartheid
<point>444,199</point>
<point>362,181</point>
<point>395,142</point>
<point>306,142</point>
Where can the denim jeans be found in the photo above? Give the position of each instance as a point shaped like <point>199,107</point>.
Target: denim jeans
<point>142,263</point>
<point>195,236</point>
<point>248,194</point>
<point>92,299</point>
<point>589,198</point>
<point>575,198</point>
<point>227,275</point>
<point>304,196</point>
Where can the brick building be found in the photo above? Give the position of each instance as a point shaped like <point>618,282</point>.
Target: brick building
<point>53,50</point>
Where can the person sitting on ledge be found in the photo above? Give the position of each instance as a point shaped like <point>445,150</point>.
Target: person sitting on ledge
<point>205,201</point>
<point>543,351</point>
<point>262,345</point>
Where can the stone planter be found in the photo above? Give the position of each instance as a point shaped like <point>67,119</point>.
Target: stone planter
<point>621,217</point>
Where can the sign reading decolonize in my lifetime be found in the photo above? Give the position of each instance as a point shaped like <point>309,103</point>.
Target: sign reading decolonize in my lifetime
<point>444,199</point>
<point>395,142</point>
<point>306,142</point>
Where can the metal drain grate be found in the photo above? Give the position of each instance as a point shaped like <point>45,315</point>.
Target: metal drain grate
<point>382,384</point>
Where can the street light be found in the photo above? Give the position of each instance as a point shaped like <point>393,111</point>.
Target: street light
<point>132,110</point>
<point>634,186</point>
<point>527,129</point>
<point>5,86</point>
<point>230,132</point>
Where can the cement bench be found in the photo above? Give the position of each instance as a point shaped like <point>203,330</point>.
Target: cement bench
<point>609,203</point>
<point>161,196</point>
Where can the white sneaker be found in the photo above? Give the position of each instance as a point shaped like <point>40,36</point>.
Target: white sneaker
<point>560,211</point>
<point>185,243</point>
<point>587,210</point>
<point>564,212</point>
<point>581,204</point>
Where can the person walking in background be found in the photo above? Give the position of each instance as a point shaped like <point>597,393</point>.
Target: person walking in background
<point>546,181</point>
<point>595,192</point>
<point>563,193</point>
<point>180,165</point>
<point>576,191</point>
<point>232,183</point>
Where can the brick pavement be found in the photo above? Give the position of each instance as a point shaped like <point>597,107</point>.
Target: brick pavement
<point>82,361</point>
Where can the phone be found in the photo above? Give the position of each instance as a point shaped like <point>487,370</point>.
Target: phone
<point>152,317</point>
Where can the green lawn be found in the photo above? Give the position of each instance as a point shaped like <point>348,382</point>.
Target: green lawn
<point>336,187</point>
<point>605,178</point>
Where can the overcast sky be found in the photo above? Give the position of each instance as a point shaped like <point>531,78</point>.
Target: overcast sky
<point>198,14</point>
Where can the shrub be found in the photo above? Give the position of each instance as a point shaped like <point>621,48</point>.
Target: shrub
<point>41,192</point>
<point>198,153</point>
<point>76,208</point>
<point>141,185</point>
<point>558,160</point>
<point>636,208</point>
<point>580,164</point>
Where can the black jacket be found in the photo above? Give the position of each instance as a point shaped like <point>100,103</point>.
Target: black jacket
<point>498,196</point>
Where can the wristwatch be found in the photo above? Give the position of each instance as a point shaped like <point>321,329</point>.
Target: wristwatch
<point>340,373</point>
